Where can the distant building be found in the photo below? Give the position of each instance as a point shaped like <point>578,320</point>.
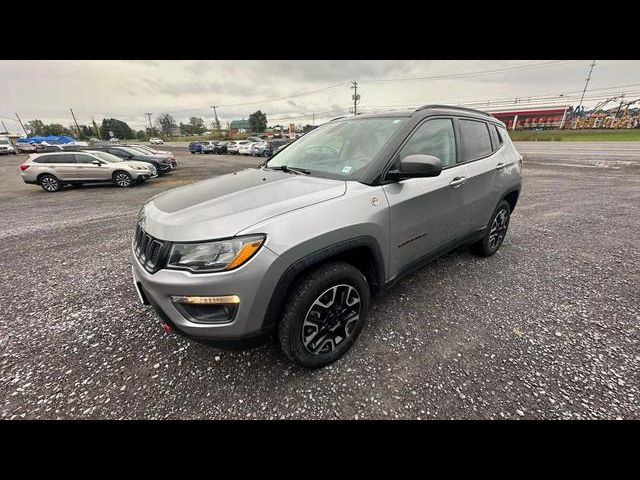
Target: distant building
<point>239,126</point>
<point>535,118</point>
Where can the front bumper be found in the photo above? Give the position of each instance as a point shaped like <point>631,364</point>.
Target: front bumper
<point>254,283</point>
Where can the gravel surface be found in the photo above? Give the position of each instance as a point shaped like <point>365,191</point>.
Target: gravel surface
<point>547,328</point>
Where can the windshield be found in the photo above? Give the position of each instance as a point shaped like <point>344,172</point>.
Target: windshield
<point>339,148</point>
<point>4,142</point>
<point>144,151</point>
<point>132,151</point>
<point>145,148</point>
<point>107,157</point>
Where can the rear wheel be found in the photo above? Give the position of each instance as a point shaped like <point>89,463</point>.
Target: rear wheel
<point>324,315</point>
<point>495,232</point>
<point>122,179</point>
<point>49,183</point>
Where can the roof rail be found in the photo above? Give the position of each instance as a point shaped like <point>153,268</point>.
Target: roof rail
<point>338,118</point>
<point>452,107</point>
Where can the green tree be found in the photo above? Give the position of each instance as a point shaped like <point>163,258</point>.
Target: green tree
<point>258,122</point>
<point>35,127</point>
<point>167,124</point>
<point>87,131</point>
<point>197,125</point>
<point>141,135</point>
<point>185,128</point>
<point>308,128</point>
<point>119,128</point>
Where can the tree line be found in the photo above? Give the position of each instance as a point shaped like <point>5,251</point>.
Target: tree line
<point>165,125</point>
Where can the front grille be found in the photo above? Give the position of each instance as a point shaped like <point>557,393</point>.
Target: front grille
<point>149,251</point>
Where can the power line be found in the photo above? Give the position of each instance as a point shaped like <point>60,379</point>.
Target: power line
<point>472,73</point>
<point>284,98</point>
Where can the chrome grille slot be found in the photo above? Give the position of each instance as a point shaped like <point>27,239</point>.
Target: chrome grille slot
<point>149,250</point>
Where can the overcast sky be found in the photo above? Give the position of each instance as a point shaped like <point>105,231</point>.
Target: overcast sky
<point>127,89</point>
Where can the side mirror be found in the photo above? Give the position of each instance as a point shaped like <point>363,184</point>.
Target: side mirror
<point>96,162</point>
<point>413,166</point>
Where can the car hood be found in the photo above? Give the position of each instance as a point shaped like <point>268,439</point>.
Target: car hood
<point>157,158</point>
<point>222,206</point>
<point>134,164</point>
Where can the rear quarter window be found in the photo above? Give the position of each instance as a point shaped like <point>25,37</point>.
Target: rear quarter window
<point>474,139</point>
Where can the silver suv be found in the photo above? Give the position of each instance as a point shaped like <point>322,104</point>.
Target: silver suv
<point>53,170</point>
<point>298,245</point>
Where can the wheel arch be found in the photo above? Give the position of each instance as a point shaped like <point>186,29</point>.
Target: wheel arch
<point>362,252</point>
<point>511,198</point>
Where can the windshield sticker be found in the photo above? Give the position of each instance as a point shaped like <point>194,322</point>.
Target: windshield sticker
<point>346,169</point>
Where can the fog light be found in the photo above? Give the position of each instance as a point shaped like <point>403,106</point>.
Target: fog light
<point>219,309</point>
<point>195,300</point>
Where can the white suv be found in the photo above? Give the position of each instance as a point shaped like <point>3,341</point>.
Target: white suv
<point>53,170</point>
<point>156,141</point>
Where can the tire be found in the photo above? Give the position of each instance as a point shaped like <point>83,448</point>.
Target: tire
<point>310,309</point>
<point>495,233</point>
<point>192,153</point>
<point>50,184</point>
<point>122,179</point>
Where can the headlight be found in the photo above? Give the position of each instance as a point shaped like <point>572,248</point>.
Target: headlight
<point>214,256</point>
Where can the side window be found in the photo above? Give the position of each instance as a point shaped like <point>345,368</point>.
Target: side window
<point>63,158</point>
<point>84,158</point>
<point>434,137</point>
<point>43,159</point>
<point>474,139</point>
<point>498,135</point>
<point>117,152</point>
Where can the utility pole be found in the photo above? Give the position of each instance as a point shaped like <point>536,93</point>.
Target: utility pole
<point>593,64</point>
<point>355,97</point>
<point>76,122</point>
<point>215,113</point>
<point>150,125</point>
<point>95,126</point>
<point>314,119</point>
<point>25,130</point>
<point>620,107</point>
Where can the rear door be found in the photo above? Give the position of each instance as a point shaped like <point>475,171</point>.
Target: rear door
<point>482,154</point>
<point>425,212</point>
<point>64,166</point>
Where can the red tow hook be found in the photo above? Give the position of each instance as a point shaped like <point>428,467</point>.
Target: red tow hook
<point>167,328</point>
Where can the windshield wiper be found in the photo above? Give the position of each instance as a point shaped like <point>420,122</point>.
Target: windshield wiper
<point>287,169</point>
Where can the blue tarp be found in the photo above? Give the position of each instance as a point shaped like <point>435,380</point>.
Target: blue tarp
<point>51,139</point>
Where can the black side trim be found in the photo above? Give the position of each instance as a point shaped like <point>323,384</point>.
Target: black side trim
<point>280,292</point>
<point>428,258</point>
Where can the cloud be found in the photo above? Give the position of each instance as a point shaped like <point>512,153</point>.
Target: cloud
<point>129,88</point>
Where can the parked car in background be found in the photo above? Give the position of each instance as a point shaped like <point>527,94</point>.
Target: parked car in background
<point>6,147</point>
<point>114,139</point>
<point>53,170</point>
<point>244,147</point>
<point>209,146</point>
<point>232,147</point>
<point>195,147</point>
<point>162,163</point>
<point>255,139</point>
<point>221,147</point>
<point>26,147</point>
<point>153,151</point>
<point>261,149</point>
<point>156,141</point>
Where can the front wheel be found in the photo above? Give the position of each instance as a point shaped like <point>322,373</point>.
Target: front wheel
<point>122,179</point>
<point>324,315</point>
<point>495,233</point>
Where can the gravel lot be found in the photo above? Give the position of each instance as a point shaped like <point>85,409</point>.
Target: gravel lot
<point>547,328</point>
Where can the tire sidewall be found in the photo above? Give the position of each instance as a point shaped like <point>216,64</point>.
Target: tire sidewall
<point>53,177</point>
<point>119,173</point>
<point>323,279</point>
<point>502,205</point>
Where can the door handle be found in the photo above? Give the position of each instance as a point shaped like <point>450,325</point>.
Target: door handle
<point>500,166</point>
<point>458,181</point>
